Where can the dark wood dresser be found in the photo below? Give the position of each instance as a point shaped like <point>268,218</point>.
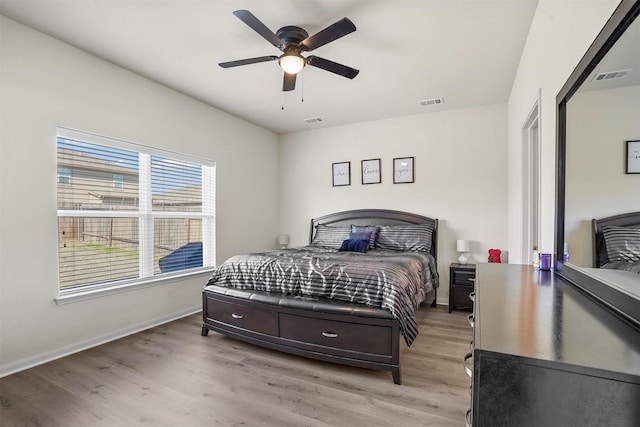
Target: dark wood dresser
<point>545,354</point>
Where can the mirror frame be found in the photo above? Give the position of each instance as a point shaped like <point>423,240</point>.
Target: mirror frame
<point>626,12</point>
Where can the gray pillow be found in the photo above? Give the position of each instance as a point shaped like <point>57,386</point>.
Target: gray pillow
<point>412,237</point>
<point>329,236</point>
<point>623,244</point>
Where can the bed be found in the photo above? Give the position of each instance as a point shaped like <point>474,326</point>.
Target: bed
<point>616,242</point>
<point>349,306</point>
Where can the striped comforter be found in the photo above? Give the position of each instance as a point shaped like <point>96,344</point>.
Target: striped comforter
<point>397,281</point>
<point>633,267</point>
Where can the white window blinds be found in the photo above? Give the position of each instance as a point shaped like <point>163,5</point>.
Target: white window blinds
<point>128,212</point>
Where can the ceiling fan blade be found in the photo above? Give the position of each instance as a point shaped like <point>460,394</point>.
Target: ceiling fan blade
<point>329,34</point>
<point>247,61</point>
<point>333,67</point>
<point>289,82</point>
<point>257,26</point>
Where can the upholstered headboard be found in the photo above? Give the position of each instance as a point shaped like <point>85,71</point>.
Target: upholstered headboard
<point>376,217</point>
<point>600,257</point>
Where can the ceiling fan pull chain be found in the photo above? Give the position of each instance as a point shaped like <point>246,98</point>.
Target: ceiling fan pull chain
<point>282,99</point>
<point>302,87</point>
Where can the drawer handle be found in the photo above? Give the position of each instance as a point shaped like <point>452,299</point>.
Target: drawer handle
<point>472,296</point>
<point>467,418</point>
<point>467,369</point>
<point>236,316</point>
<point>471,320</point>
<point>330,335</point>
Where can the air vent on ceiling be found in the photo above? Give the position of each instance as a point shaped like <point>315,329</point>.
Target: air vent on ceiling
<point>432,101</point>
<point>313,120</point>
<point>610,75</point>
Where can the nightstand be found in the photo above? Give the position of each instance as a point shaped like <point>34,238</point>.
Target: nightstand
<point>461,284</point>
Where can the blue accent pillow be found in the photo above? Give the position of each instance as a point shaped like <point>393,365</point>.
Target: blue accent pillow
<point>355,245</point>
<point>360,236</point>
<point>372,229</point>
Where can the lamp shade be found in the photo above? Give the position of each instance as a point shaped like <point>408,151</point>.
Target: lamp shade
<point>283,239</point>
<point>291,63</point>
<point>462,246</point>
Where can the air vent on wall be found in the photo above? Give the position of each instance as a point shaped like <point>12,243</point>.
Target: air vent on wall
<point>432,101</point>
<point>610,75</point>
<point>313,120</point>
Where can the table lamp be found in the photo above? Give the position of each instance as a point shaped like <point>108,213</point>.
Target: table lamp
<point>462,247</point>
<point>283,241</point>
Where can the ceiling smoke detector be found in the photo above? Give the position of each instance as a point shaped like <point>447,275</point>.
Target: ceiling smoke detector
<point>610,75</point>
<point>432,101</point>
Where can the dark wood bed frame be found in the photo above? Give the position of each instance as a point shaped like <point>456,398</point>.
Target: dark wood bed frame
<point>339,332</point>
<point>600,257</point>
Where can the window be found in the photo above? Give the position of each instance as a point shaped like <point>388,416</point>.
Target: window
<point>118,182</point>
<point>64,176</point>
<point>131,212</point>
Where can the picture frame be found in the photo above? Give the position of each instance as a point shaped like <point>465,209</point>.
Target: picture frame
<point>632,156</point>
<point>341,173</point>
<point>371,171</point>
<point>403,170</point>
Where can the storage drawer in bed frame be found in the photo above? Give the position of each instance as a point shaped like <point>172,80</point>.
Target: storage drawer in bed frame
<point>362,341</point>
<point>342,337</point>
<point>242,316</point>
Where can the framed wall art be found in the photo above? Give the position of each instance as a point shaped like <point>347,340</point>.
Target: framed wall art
<point>403,172</point>
<point>371,171</point>
<point>341,173</point>
<point>633,157</point>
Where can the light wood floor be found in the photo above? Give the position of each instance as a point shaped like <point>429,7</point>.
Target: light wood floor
<point>170,375</point>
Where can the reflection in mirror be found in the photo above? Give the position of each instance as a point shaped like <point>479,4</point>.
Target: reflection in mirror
<point>601,116</point>
<point>598,110</point>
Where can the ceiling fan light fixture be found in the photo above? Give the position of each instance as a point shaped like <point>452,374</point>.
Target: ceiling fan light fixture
<point>292,62</point>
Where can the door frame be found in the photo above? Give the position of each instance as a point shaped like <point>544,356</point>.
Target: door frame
<point>531,179</point>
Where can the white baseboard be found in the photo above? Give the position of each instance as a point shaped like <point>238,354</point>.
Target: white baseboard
<point>93,342</point>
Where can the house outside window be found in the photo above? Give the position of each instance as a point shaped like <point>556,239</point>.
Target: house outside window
<point>131,212</point>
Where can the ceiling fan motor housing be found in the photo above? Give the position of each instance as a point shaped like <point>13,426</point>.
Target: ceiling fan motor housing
<point>292,35</point>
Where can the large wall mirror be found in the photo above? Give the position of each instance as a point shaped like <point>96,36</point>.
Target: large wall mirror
<point>598,112</point>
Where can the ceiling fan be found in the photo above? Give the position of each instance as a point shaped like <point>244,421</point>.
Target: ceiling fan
<point>292,41</point>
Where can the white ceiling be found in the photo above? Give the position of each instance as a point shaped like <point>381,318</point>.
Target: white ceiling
<point>624,55</point>
<point>466,51</point>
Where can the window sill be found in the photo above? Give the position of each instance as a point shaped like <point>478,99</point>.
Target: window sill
<point>82,294</point>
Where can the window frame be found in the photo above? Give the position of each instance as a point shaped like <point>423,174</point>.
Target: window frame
<point>146,217</point>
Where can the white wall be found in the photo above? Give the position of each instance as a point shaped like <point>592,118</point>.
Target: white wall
<point>46,83</point>
<point>598,124</point>
<point>464,175</point>
<point>560,34</point>
<point>460,176</point>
